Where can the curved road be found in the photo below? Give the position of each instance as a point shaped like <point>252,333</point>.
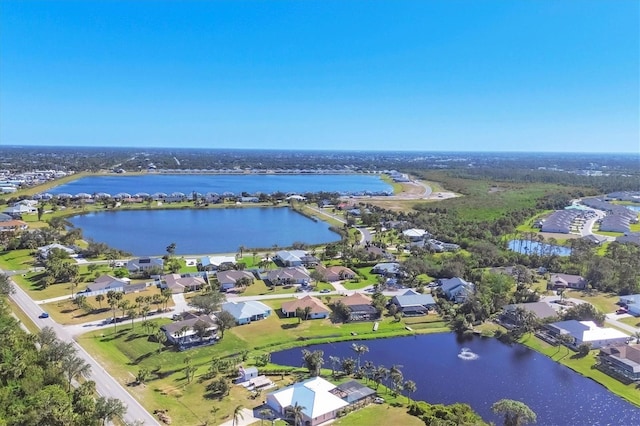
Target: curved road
<point>106,385</point>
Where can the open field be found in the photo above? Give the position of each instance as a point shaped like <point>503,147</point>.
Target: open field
<point>66,312</point>
<point>16,260</point>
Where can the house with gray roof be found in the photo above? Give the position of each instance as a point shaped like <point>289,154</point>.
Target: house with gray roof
<point>412,303</point>
<point>456,289</point>
<point>228,279</point>
<point>289,276</point>
<point>542,310</point>
<point>290,258</point>
<point>621,361</point>
<point>43,252</point>
<point>248,311</point>
<point>564,281</point>
<point>185,332</point>
<point>630,237</point>
<point>107,282</point>
<point>180,284</point>
<point>144,264</point>
<point>388,269</point>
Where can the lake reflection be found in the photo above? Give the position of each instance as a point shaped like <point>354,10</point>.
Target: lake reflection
<point>558,395</point>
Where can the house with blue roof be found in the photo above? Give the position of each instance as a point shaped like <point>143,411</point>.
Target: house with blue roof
<point>633,303</point>
<point>456,289</point>
<point>246,312</point>
<point>412,303</point>
<point>388,269</point>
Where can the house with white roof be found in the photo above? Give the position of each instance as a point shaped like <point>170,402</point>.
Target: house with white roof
<point>212,263</point>
<point>295,258</point>
<point>314,395</point>
<point>144,264</point>
<point>415,234</point>
<point>43,252</point>
<point>245,312</point>
<point>587,332</point>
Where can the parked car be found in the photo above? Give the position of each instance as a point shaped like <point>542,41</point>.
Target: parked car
<point>44,315</point>
<point>622,311</point>
<point>325,290</point>
<point>378,400</point>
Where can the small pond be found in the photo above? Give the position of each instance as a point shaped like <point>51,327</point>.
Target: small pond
<point>541,249</point>
<point>485,372</point>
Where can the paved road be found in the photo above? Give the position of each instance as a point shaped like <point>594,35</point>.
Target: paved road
<point>613,320</point>
<point>105,384</point>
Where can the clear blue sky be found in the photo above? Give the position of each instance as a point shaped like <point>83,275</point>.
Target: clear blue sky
<point>528,75</point>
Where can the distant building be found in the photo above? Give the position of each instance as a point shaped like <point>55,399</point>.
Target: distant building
<point>564,281</point>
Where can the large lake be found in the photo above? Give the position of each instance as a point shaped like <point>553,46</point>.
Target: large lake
<point>558,395</point>
<point>149,232</point>
<point>251,183</point>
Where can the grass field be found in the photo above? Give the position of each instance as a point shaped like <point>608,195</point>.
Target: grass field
<point>632,321</point>
<point>65,312</point>
<point>16,260</point>
<point>605,302</point>
<point>24,318</point>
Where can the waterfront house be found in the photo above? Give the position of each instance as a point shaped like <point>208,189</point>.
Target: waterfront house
<point>13,225</point>
<point>43,252</point>
<point>335,273</point>
<point>180,284</point>
<point>360,308</point>
<point>144,264</point>
<point>587,332</point>
<point>315,395</point>
<point>246,312</point>
<point>213,263</point>
<point>412,303</point>
<point>185,331</point>
<point>228,279</point>
<point>318,309</point>
<point>621,360</point>
<point>290,258</point>
<point>354,392</point>
<point>106,283</point>
<point>456,289</point>
<point>289,276</point>
<point>564,281</point>
<point>541,310</point>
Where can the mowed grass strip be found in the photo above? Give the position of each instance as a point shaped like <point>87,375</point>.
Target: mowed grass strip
<point>16,260</point>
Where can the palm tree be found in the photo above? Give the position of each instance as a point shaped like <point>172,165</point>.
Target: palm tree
<point>73,367</point>
<point>296,413</point>
<point>237,415</point>
<point>516,413</point>
<point>133,314</point>
<point>360,350</point>
<point>100,299</point>
<point>334,361</point>
<point>637,336</point>
<point>410,387</point>
<point>160,338</point>
<point>263,414</point>
<point>307,312</point>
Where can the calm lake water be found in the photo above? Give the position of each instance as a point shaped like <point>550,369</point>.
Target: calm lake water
<point>149,232</point>
<point>187,184</point>
<point>531,247</point>
<point>558,395</point>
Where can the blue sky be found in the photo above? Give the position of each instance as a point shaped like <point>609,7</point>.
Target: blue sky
<point>529,75</point>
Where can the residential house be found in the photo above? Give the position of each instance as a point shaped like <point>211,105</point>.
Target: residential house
<point>415,234</point>
<point>587,332</point>
<point>13,225</point>
<point>354,392</point>
<point>564,281</point>
<point>360,308</point>
<point>213,263</point>
<point>290,258</point>
<point>412,303</point>
<point>456,289</point>
<point>541,310</point>
<point>621,360</point>
<point>17,211</point>
<point>184,332</point>
<point>180,284</point>
<point>318,309</point>
<point>248,311</point>
<point>43,252</point>
<point>388,269</point>
<point>629,237</point>
<point>633,303</point>
<point>144,264</point>
<point>289,276</point>
<point>335,273</point>
<point>319,404</point>
<point>107,282</point>
<point>246,374</point>
<point>228,279</point>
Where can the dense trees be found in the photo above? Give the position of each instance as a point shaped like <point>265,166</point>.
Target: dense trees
<point>36,381</point>
<point>516,413</point>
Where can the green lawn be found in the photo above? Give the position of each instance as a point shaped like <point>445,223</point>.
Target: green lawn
<point>632,321</point>
<point>605,302</point>
<point>24,318</point>
<point>16,260</point>
<point>584,367</point>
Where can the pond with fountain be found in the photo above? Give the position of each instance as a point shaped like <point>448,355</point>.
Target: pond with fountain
<point>480,371</point>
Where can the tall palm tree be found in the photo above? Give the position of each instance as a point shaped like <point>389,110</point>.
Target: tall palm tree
<point>263,415</point>
<point>410,387</point>
<point>237,415</point>
<point>360,350</point>
<point>296,413</point>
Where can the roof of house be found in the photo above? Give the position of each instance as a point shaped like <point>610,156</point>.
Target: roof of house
<point>450,284</point>
<point>105,281</point>
<point>216,260</point>
<point>315,304</point>
<point>144,261</point>
<point>587,331</point>
<point>413,298</point>
<point>391,267</point>
<point>356,299</point>
<point>631,299</point>
<point>14,223</point>
<point>180,282</point>
<point>5,217</point>
<point>189,322</point>
<point>232,275</point>
<point>336,270</point>
<point>291,255</point>
<point>414,233</point>
<point>47,248</point>
<point>564,279</point>
<point>628,354</point>
<point>313,394</point>
<point>294,273</point>
<point>243,310</point>
<point>540,309</point>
